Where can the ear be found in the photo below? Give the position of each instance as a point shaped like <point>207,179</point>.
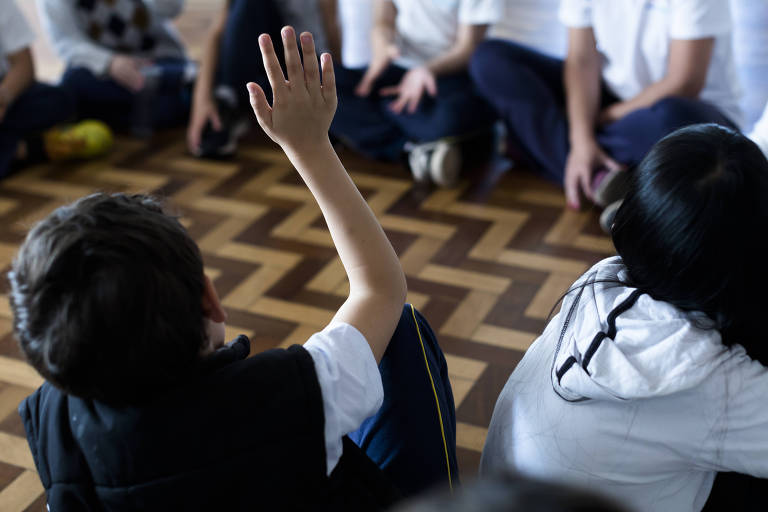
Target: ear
<point>212,308</point>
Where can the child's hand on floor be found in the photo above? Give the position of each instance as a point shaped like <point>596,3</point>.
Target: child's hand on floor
<point>303,108</point>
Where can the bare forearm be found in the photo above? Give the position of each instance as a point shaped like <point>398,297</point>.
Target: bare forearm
<point>662,89</point>
<point>20,75</point>
<point>364,250</point>
<point>376,279</point>
<point>453,61</point>
<point>582,87</point>
<point>457,58</point>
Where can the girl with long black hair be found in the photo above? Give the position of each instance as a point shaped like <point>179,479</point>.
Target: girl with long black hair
<point>652,378</point>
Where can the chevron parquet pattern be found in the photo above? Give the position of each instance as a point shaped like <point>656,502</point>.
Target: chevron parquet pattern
<point>485,263</point>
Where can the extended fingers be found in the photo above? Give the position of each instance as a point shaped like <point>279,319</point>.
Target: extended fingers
<point>329,78</point>
<point>311,69</point>
<point>271,64</point>
<point>292,58</point>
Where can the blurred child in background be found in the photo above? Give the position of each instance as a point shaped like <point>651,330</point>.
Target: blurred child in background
<point>29,110</point>
<point>416,97</point>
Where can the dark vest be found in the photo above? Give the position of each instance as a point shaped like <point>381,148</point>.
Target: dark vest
<point>243,434</point>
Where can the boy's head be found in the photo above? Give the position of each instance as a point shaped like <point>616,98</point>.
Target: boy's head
<point>110,300</point>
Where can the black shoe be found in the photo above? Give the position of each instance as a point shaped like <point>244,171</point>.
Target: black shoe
<point>223,143</point>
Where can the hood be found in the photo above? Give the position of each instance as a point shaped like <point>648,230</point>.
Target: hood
<point>617,343</point>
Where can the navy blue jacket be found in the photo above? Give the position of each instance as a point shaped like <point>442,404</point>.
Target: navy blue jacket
<point>243,434</point>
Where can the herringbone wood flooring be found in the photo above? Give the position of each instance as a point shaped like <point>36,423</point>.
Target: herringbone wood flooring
<point>485,262</point>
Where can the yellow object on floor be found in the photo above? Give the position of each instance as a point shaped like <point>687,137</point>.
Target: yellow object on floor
<point>86,139</point>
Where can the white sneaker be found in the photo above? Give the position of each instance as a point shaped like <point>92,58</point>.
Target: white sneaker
<point>439,161</point>
<point>418,161</point>
<point>445,164</point>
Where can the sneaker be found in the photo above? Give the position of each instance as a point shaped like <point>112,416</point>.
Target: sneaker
<point>223,143</point>
<point>609,215</point>
<point>418,162</point>
<point>86,139</point>
<point>609,186</point>
<point>445,164</point>
<point>438,161</point>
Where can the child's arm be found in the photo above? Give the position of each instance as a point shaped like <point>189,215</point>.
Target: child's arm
<point>20,75</point>
<point>299,121</point>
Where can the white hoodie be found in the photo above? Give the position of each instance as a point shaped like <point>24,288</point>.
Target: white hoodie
<point>650,417</point>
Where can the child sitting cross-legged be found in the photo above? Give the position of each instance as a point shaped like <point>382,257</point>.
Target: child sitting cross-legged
<point>146,408</point>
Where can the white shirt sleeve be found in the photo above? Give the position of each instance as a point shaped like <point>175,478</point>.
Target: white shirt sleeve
<point>576,13</point>
<point>349,380</point>
<point>15,32</point>
<point>698,19</point>
<point>480,12</point>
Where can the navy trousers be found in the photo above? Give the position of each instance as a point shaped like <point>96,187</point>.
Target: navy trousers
<point>526,89</point>
<point>370,127</point>
<point>412,438</point>
<point>102,98</point>
<point>239,57</point>
<point>36,109</point>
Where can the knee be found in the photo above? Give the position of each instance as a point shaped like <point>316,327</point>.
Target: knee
<point>485,60</point>
<point>673,112</point>
<point>495,61</point>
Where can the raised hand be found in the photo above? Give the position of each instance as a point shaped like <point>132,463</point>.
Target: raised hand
<point>303,106</point>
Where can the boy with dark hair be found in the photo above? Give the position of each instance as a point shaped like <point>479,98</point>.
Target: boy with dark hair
<point>146,408</point>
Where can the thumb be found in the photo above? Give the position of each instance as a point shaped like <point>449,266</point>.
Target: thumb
<point>260,105</point>
<point>611,164</point>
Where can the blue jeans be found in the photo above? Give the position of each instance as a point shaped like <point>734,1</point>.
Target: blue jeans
<point>239,57</point>
<point>102,98</point>
<point>370,127</point>
<point>36,109</point>
<point>526,89</point>
<point>412,438</point>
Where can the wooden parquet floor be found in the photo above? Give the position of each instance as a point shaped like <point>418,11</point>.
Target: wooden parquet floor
<point>485,263</point>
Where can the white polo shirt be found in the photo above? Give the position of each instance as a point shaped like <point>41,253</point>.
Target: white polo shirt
<point>634,36</point>
<point>426,29</point>
<point>15,32</point>
<point>532,23</point>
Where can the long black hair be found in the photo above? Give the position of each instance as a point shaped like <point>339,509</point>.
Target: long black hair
<point>693,230</point>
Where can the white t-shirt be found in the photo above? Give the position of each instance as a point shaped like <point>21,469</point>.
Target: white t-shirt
<point>531,22</point>
<point>633,37</point>
<point>355,20</point>
<point>426,29</point>
<point>349,380</point>
<point>15,32</point>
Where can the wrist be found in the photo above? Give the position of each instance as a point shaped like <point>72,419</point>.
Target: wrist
<point>308,149</point>
<point>582,138</point>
